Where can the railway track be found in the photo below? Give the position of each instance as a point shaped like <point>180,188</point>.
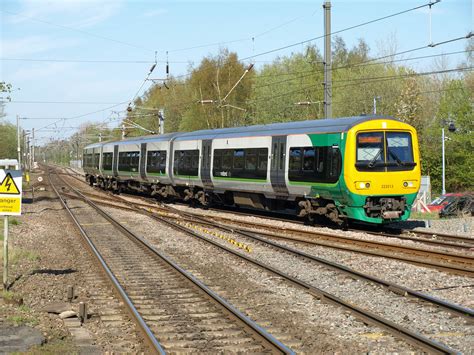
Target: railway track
<point>460,264</point>
<point>395,329</point>
<point>174,310</point>
<point>419,236</point>
<point>457,263</point>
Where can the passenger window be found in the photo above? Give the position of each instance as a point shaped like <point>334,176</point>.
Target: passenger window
<point>238,159</point>
<point>308,159</point>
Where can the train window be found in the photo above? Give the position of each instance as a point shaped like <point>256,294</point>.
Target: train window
<point>314,164</point>
<point>241,163</point>
<point>217,161</point>
<point>134,161</point>
<point>186,162</point>
<point>96,160</point>
<point>250,159</point>
<point>123,163</point>
<point>399,152</point>
<point>275,154</point>
<point>263,160</point>
<point>308,159</point>
<point>384,151</point>
<point>295,159</point>
<point>370,151</point>
<point>282,156</point>
<point>156,161</point>
<point>107,161</point>
<point>334,161</point>
<point>238,159</point>
<point>227,156</point>
<point>128,161</point>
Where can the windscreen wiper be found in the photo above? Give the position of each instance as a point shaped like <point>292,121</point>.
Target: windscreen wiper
<point>397,159</point>
<point>374,159</point>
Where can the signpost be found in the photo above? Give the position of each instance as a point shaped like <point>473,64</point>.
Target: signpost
<point>10,203</point>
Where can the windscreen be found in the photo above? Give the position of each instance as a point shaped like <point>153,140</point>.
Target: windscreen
<point>384,151</point>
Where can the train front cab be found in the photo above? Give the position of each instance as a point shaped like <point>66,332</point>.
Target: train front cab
<point>381,171</point>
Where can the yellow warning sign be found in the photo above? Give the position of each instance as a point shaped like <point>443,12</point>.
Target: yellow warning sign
<point>10,192</point>
<point>10,205</point>
<point>8,186</point>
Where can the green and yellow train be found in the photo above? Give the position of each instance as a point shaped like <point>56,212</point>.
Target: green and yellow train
<point>364,168</point>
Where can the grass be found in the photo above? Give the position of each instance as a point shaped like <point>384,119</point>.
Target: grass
<point>55,346</point>
<point>23,320</point>
<point>11,221</point>
<point>24,308</point>
<point>8,295</point>
<point>419,215</point>
<point>15,255</point>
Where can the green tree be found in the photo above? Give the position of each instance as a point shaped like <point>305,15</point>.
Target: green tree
<point>455,105</point>
<point>8,141</point>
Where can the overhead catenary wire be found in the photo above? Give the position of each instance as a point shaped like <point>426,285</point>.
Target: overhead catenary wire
<point>431,3</point>
<point>370,61</point>
<point>82,115</point>
<point>250,38</point>
<point>62,102</point>
<point>105,61</point>
<point>370,80</point>
<point>69,28</point>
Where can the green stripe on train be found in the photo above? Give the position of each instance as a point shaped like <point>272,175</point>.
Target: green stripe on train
<point>223,178</point>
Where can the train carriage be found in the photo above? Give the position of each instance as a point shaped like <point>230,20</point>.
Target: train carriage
<point>362,168</point>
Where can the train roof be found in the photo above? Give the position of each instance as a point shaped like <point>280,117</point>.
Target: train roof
<point>333,125</point>
<point>134,140</point>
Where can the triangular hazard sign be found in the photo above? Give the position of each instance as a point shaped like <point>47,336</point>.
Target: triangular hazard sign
<point>8,186</point>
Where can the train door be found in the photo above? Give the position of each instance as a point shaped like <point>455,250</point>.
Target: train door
<point>143,157</point>
<point>277,167</point>
<point>206,163</point>
<point>115,161</point>
<point>171,161</point>
<point>101,160</point>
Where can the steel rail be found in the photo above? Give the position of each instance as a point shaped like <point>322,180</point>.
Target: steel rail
<point>461,270</point>
<point>412,337</point>
<point>450,257</point>
<point>389,232</point>
<point>368,316</point>
<point>452,307</point>
<point>150,338</point>
<point>263,334</point>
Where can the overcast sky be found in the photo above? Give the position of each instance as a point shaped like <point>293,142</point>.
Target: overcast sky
<point>65,34</point>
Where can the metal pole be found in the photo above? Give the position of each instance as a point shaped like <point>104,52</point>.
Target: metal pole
<point>327,60</point>
<point>33,149</point>
<point>5,253</point>
<point>28,154</point>
<point>375,105</point>
<point>5,250</point>
<point>161,118</point>
<point>18,139</point>
<point>443,158</point>
<point>123,131</point>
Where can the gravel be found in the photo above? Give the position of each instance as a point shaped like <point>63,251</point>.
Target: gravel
<point>290,311</point>
<point>51,257</point>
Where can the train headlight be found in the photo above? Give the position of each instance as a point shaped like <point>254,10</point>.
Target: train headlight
<point>362,185</point>
<point>409,184</point>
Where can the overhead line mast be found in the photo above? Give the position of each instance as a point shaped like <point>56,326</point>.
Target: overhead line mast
<point>327,61</point>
